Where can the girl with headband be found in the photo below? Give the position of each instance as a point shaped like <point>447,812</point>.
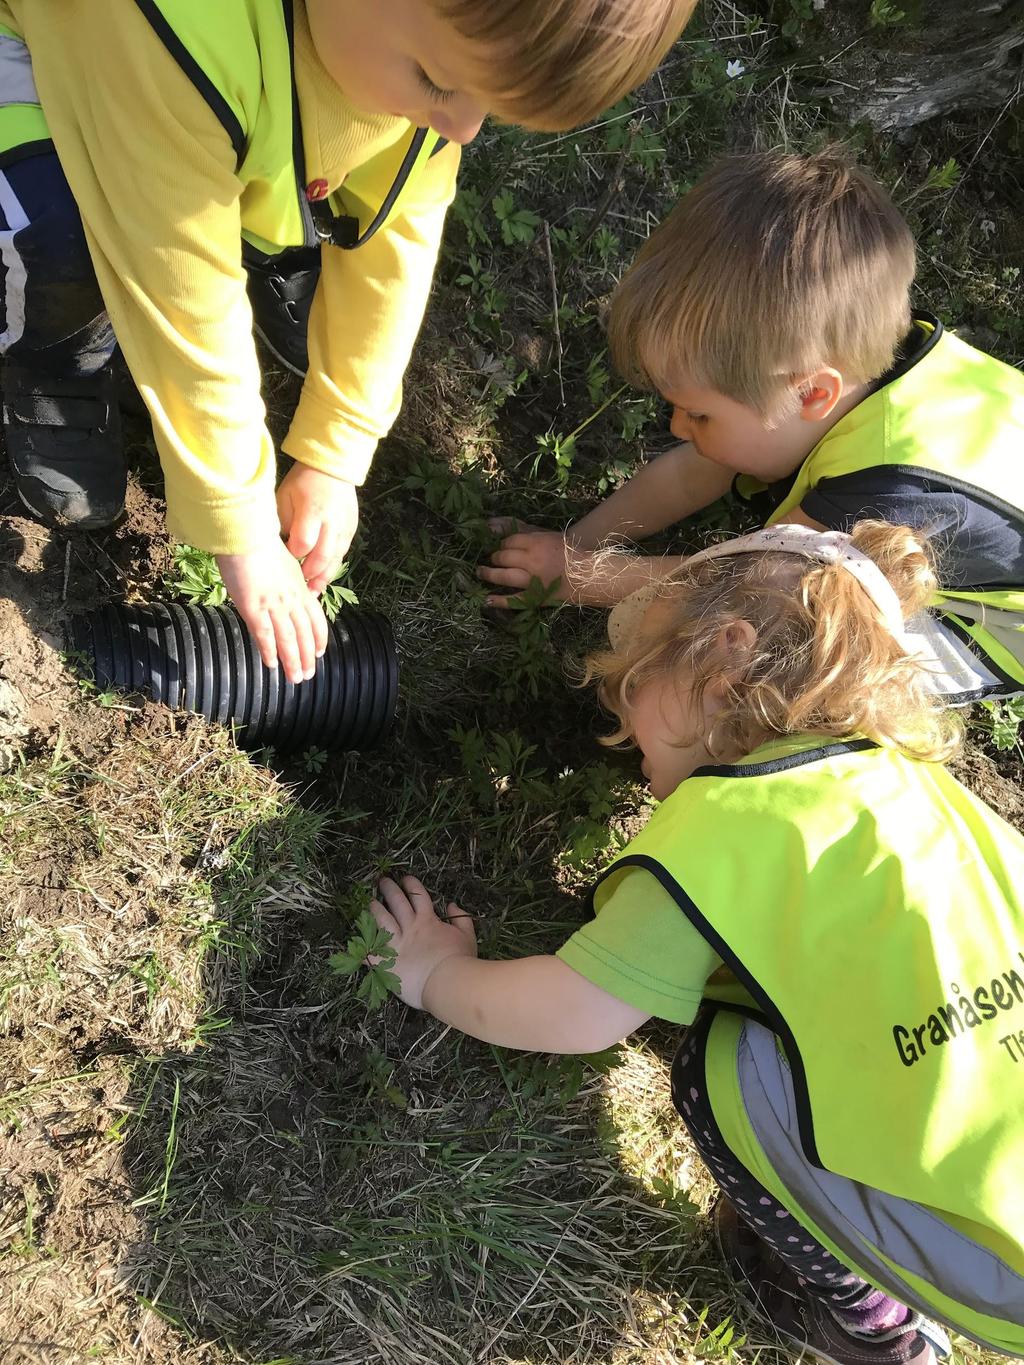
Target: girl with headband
<point>838,923</point>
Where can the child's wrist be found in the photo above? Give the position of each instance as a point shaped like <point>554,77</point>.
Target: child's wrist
<point>432,991</point>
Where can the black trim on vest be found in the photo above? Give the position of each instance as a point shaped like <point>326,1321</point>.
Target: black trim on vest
<point>909,356</point>
<point>780,765</point>
<point>769,1015</point>
<point>42,146</point>
<point>220,107</point>
<point>397,185</point>
<point>441,143</point>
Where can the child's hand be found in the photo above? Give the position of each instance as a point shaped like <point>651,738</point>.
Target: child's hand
<point>319,515</point>
<point>421,941</point>
<point>531,553</point>
<point>283,616</point>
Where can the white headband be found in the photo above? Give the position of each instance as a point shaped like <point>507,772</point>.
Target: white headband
<point>828,547</point>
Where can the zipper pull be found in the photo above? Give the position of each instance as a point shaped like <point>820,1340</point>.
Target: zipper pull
<point>340,231</point>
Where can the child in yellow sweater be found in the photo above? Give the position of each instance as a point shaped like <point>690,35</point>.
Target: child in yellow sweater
<point>142,142</point>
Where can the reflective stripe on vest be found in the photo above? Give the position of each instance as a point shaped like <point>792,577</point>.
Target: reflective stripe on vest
<point>903,1246</point>
<point>872,908</point>
<point>16,83</point>
<point>23,130</point>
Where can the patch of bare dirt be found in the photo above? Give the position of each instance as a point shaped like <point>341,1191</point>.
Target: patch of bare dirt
<point>48,576</point>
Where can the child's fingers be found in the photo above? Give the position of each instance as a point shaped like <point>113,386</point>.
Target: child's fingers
<point>504,526</point>
<point>321,560</point>
<point>397,902</point>
<point>418,894</point>
<point>523,540</point>
<point>500,602</point>
<point>384,919</point>
<point>463,922</point>
<point>317,624</point>
<point>512,526</point>
<point>304,534</point>
<point>504,578</point>
<point>287,644</point>
<point>508,559</point>
<point>304,640</point>
<point>261,628</point>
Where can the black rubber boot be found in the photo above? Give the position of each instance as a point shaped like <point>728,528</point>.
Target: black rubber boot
<point>63,439</point>
<point>281,290</point>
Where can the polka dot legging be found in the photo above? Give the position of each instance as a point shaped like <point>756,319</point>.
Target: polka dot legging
<point>848,1295</point>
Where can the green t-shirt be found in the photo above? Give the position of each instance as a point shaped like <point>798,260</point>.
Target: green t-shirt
<point>642,949</point>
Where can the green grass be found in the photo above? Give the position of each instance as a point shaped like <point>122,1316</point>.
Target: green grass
<point>221,1154</point>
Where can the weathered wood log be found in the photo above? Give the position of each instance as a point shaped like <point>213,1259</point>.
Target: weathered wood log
<point>955,56</point>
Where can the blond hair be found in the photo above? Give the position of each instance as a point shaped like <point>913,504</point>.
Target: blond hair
<point>772,266</point>
<point>823,662</point>
<point>556,64</point>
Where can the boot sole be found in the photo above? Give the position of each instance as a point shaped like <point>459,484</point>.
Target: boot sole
<point>86,524</point>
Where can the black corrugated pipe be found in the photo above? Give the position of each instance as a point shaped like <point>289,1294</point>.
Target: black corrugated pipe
<point>203,659</point>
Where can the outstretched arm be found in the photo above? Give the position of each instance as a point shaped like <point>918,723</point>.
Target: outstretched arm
<point>534,1003</point>
<point>665,491</point>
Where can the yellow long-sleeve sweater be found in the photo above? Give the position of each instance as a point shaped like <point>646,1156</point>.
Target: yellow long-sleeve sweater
<point>154,176</point>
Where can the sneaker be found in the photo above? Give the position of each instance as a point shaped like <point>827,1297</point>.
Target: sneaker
<point>281,290</point>
<point>63,439</point>
<point>778,1295</point>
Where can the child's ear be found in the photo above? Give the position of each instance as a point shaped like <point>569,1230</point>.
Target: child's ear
<point>737,639</point>
<point>734,644</point>
<point>819,393</point>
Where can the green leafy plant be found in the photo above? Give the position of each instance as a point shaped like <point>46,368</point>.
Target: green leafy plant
<point>467,209</point>
<point>1005,719</point>
<point>884,14</point>
<point>198,578</point>
<point>517,225</point>
<point>562,449</point>
<point>376,980</point>
<point>336,594</point>
<point>944,177</point>
<point>606,244</point>
<point>458,497</point>
<point>314,760</point>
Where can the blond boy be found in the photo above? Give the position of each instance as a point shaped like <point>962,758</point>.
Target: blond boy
<point>772,310</point>
<point>142,141</point>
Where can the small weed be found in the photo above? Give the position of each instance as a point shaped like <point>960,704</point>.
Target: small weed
<point>376,981</point>
<point>941,178</point>
<point>517,225</point>
<point>337,594</point>
<point>1005,719</point>
<point>198,579</point>
<point>379,1073</point>
<point>884,14</point>
<point>314,760</point>
<point>562,449</point>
